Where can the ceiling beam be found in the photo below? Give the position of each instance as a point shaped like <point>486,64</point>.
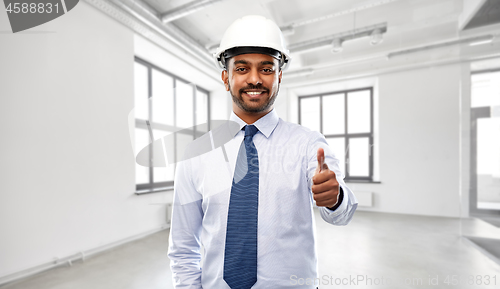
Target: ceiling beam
<point>289,29</point>
<point>470,8</point>
<point>378,71</point>
<point>469,40</point>
<point>391,66</point>
<point>150,17</point>
<point>186,9</point>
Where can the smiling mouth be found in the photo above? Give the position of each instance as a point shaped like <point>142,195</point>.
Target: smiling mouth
<point>254,93</point>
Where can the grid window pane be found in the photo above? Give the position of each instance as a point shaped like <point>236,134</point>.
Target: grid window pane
<point>141,91</point>
<point>358,111</point>
<point>309,113</point>
<point>359,156</point>
<point>169,143</point>
<point>337,145</point>
<point>167,173</point>
<point>184,104</point>
<point>488,144</point>
<point>173,106</point>
<point>333,114</point>
<point>163,98</point>
<point>181,143</point>
<point>347,127</point>
<point>141,141</point>
<point>488,162</point>
<point>485,89</point>
<point>160,133</point>
<point>160,175</point>
<point>202,110</point>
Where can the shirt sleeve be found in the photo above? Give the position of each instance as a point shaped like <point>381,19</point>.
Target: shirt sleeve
<point>185,230</point>
<point>342,215</point>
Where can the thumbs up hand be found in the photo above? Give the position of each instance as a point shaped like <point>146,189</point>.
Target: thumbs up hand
<point>325,186</point>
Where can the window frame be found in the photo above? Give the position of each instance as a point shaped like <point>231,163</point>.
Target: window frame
<point>477,112</point>
<point>152,186</point>
<point>347,136</point>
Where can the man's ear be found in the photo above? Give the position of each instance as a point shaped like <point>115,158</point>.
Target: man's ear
<point>225,79</point>
<point>279,76</point>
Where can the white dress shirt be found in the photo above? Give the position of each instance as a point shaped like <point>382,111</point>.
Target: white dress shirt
<point>286,230</point>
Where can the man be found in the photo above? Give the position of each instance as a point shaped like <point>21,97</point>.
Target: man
<point>249,204</point>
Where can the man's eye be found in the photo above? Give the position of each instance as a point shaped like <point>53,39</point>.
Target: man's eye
<point>267,70</point>
<point>240,69</point>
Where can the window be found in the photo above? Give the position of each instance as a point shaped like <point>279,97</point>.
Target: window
<point>485,89</point>
<point>164,104</point>
<point>485,143</point>
<point>345,118</point>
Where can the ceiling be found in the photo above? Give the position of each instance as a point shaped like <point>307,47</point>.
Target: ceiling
<point>488,14</point>
<point>419,32</point>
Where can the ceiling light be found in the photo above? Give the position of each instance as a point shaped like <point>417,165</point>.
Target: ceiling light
<point>376,37</point>
<point>336,40</point>
<point>186,9</point>
<point>486,41</point>
<point>337,45</point>
<point>476,40</point>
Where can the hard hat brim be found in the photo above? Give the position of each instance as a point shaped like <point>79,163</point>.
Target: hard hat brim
<point>232,52</point>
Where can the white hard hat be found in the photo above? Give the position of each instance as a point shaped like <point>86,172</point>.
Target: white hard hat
<point>253,34</point>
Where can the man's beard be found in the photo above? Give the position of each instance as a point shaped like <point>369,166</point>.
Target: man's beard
<point>238,99</point>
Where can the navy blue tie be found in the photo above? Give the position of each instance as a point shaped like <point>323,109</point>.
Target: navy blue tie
<point>240,255</point>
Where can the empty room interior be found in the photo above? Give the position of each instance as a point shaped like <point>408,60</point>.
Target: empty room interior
<point>101,103</point>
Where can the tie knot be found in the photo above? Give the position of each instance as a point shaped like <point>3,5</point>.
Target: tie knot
<point>250,130</point>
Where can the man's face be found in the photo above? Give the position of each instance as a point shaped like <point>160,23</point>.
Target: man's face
<point>253,81</point>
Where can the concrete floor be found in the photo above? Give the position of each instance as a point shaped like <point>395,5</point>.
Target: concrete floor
<point>409,251</point>
<point>493,221</point>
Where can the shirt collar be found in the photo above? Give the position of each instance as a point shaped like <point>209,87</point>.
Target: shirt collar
<point>265,124</point>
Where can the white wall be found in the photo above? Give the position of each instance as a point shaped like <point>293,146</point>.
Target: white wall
<point>418,146</point>
<point>67,165</point>
<point>465,141</point>
<point>419,142</point>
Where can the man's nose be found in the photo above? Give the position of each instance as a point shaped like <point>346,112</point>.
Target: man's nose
<point>254,77</point>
